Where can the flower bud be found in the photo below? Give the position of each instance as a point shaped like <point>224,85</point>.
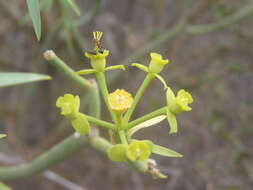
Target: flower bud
<point>157,63</point>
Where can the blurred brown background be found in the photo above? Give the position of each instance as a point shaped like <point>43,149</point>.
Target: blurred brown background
<point>216,67</point>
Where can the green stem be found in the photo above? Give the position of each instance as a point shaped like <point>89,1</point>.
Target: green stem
<point>103,87</point>
<point>100,122</point>
<point>94,101</point>
<point>121,132</point>
<point>151,115</point>
<point>122,137</point>
<point>138,96</point>
<point>57,154</point>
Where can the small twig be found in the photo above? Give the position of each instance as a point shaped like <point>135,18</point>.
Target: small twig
<point>236,17</point>
<point>61,181</point>
<point>164,38</point>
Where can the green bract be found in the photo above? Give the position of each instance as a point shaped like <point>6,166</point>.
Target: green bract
<point>157,63</point>
<point>138,150</point>
<point>68,104</point>
<point>117,153</point>
<point>97,60</point>
<point>81,124</point>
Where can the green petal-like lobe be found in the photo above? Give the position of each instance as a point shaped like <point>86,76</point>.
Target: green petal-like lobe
<point>172,120</point>
<point>117,153</point>
<point>81,124</point>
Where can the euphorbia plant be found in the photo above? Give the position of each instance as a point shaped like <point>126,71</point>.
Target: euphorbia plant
<point>121,105</point>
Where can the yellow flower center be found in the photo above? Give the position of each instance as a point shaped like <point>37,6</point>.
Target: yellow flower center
<point>120,100</point>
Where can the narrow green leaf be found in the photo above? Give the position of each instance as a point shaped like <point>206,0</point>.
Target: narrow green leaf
<point>163,151</point>
<point>13,78</point>
<point>74,6</point>
<point>145,124</point>
<point>172,120</point>
<point>4,187</point>
<point>2,135</point>
<point>34,11</point>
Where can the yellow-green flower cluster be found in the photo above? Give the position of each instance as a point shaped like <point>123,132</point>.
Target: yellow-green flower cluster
<point>69,106</point>
<point>121,105</point>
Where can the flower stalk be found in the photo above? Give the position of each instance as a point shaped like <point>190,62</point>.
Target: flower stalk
<point>138,96</point>
<point>104,91</point>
